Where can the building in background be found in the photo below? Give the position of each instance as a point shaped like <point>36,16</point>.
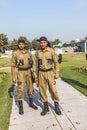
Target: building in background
<point>82,46</point>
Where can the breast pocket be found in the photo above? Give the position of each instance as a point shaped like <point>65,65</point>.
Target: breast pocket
<point>30,61</point>
<point>49,61</point>
<point>39,61</point>
<point>20,62</point>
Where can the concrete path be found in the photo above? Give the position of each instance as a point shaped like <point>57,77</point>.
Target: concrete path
<point>5,69</point>
<point>72,104</point>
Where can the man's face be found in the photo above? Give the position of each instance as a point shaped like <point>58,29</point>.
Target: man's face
<point>21,46</point>
<point>43,44</point>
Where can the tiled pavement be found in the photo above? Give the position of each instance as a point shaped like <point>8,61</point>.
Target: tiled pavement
<point>72,104</point>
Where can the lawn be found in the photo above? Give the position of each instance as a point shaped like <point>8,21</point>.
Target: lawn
<point>73,71</point>
<point>6,94</point>
<point>6,91</point>
<point>5,62</point>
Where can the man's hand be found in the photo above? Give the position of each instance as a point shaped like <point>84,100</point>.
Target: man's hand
<point>13,79</point>
<point>13,74</point>
<point>55,77</point>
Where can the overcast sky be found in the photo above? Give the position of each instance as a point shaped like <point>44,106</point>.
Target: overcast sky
<point>62,19</point>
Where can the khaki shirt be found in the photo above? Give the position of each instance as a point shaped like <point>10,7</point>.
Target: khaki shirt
<point>45,60</point>
<point>21,60</point>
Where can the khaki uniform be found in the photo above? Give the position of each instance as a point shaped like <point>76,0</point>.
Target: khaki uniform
<point>45,61</point>
<point>23,62</point>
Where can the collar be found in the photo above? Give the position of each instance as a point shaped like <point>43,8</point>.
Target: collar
<point>23,52</point>
<point>47,49</point>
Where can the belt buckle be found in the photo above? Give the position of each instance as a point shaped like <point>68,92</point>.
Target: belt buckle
<point>45,70</point>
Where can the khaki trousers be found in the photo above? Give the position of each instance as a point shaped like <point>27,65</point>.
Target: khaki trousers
<point>24,79</point>
<point>47,79</point>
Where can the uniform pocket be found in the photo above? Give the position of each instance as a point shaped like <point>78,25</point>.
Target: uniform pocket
<point>39,62</point>
<point>30,61</point>
<point>20,62</point>
<point>49,61</point>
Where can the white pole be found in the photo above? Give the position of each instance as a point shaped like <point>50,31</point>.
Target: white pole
<point>85,47</point>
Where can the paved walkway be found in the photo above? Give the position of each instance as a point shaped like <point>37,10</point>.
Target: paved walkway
<point>72,104</point>
<point>5,69</point>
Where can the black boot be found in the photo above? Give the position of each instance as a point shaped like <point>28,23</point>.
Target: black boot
<point>46,109</point>
<point>57,109</point>
<point>21,107</point>
<point>31,104</point>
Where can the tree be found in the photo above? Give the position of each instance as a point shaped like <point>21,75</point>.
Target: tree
<point>3,42</point>
<point>56,42</point>
<point>35,44</point>
<point>73,43</point>
<point>13,45</point>
<point>85,39</point>
<point>65,44</point>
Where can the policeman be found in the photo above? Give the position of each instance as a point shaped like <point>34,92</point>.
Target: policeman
<point>22,60</point>
<point>44,60</point>
<point>59,54</point>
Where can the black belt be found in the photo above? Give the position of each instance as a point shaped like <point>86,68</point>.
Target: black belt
<point>22,69</point>
<point>46,70</point>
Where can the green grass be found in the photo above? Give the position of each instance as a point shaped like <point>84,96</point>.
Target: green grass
<point>0,80</point>
<point>6,95</point>
<point>5,62</point>
<point>69,71</point>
